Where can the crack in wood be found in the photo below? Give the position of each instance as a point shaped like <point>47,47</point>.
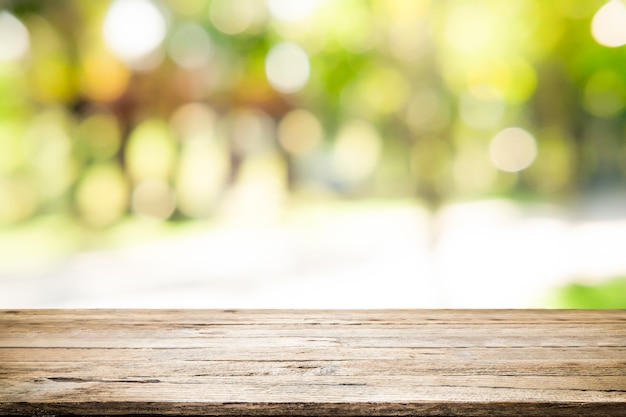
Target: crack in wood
<point>106,381</point>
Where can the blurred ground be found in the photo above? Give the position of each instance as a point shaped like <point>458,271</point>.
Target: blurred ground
<point>485,254</point>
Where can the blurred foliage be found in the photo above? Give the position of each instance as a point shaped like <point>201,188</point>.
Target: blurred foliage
<point>186,109</point>
<point>608,294</point>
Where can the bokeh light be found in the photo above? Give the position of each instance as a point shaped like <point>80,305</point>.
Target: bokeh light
<point>513,149</point>
<point>99,65</point>
<point>150,152</point>
<point>291,10</point>
<point>251,131</point>
<point>356,152</point>
<point>470,28</point>
<point>202,175</point>
<point>354,28</point>
<point>236,16</point>
<point>14,38</point>
<point>426,111</point>
<point>299,132</point>
<point>48,148</point>
<point>471,170</point>
<point>364,95</point>
<point>13,157</point>
<point>102,195</point>
<point>482,108</point>
<point>203,167</point>
<point>19,199</point>
<point>190,46</point>
<point>192,120</point>
<point>609,24</point>
<point>100,134</point>
<point>134,29</point>
<point>153,198</point>
<point>605,94</point>
<point>408,35</point>
<point>50,73</point>
<point>287,67</point>
<point>188,7</point>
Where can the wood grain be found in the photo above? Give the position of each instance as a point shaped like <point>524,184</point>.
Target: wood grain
<point>313,363</point>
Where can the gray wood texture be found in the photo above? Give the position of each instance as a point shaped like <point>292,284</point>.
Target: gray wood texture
<point>313,363</point>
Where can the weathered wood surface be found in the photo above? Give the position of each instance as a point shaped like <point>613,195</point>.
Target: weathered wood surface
<point>313,363</point>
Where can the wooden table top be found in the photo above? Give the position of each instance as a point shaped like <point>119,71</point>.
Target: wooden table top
<point>313,363</point>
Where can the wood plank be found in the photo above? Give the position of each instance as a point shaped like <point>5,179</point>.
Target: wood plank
<point>263,354</point>
<point>313,363</point>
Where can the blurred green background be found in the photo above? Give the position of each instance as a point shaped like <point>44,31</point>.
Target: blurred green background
<point>135,119</point>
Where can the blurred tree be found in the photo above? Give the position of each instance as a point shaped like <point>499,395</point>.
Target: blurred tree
<point>394,98</point>
<point>608,294</point>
